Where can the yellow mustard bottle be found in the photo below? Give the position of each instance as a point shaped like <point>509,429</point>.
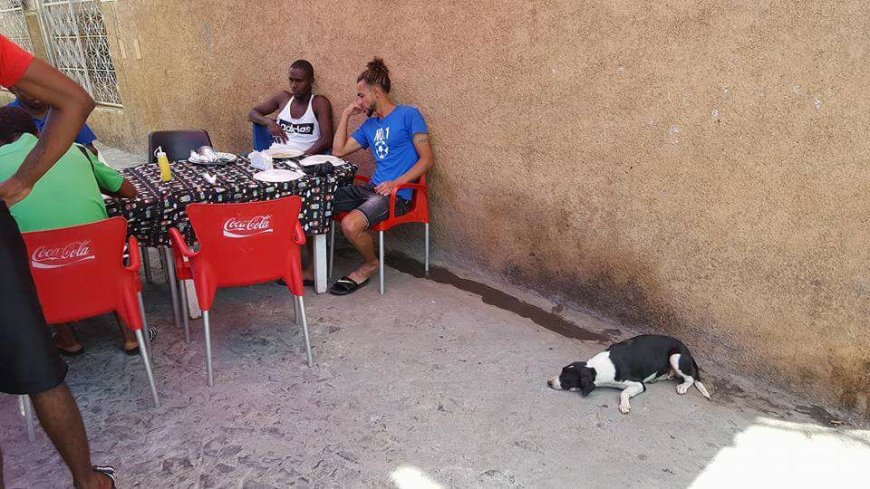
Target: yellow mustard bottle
<point>163,163</point>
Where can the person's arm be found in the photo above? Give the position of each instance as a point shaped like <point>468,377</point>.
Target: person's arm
<point>323,112</point>
<point>258,114</point>
<point>424,163</point>
<point>127,191</point>
<point>110,181</point>
<point>341,144</point>
<point>70,105</point>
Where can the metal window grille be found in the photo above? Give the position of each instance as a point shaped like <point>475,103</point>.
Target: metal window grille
<point>77,44</point>
<point>13,25</point>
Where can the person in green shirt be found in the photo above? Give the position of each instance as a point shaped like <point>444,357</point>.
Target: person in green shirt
<point>68,194</point>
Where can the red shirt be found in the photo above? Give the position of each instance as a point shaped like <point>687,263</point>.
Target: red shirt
<point>13,62</point>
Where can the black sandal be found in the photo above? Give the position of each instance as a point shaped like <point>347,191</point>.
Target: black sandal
<point>106,471</point>
<point>345,286</point>
<point>152,333</point>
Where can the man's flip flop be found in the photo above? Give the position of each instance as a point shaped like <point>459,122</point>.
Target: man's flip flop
<point>106,471</point>
<point>345,286</point>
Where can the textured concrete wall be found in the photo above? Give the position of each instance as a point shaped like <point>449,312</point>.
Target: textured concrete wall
<point>697,167</point>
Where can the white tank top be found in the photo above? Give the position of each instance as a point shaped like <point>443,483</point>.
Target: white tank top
<point>301,133</point>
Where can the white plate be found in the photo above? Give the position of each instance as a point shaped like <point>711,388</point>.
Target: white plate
<point>318,159</point>
<point>284,152</point>
<point>224,158</point>
<point>277,175</point>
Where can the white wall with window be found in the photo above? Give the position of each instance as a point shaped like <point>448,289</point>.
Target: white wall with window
<point>77,44</point>
<point>13,24</point>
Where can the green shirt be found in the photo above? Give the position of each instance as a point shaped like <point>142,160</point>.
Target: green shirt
<point>67,195</point>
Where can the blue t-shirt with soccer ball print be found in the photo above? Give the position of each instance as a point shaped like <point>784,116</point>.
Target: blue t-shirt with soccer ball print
<point>392,143</point>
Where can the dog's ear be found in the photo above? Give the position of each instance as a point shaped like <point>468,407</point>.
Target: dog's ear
<point>587,380</point>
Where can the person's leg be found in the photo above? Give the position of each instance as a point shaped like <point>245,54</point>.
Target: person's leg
<point>60,418</point>
<point>129,336</point>
<point>29,360</point>
<point>355,229</point>
<point>66,339</point>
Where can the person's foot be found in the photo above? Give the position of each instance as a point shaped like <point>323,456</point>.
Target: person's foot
<point>99,478</point>
<point>308,274</point>
<point>66,342</point>
<point>364,271</point>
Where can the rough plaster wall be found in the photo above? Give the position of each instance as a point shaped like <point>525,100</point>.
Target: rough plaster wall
<point>698,167</point>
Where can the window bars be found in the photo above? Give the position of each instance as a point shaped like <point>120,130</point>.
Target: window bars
<point>77,44</point>
<point>13,25</point>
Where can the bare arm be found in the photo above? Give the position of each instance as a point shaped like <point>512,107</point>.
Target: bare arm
<point>341,144</point>
<point>424,163</point>
<point>258,114</point>
<point>323,112</point>
<point>127,191</point>
<point>70,108</point>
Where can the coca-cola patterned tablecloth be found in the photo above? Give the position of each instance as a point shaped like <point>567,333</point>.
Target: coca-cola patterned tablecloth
<point>160,205</point>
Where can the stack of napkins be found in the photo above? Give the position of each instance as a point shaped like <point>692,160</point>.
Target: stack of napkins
<point>260,160</point>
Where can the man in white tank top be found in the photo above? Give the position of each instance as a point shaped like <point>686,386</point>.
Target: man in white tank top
<point>304,120</point>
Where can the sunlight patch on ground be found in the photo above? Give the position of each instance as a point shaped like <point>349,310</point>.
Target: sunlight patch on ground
<point>408,477</point>
<point>773,453</point>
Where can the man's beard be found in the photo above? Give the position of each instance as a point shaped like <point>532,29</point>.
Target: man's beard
<point>370,111</point>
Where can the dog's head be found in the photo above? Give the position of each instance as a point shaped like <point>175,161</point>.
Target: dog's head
<point>575,377</point>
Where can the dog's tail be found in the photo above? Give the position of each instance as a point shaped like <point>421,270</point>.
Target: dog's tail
<point>702,389</point>
<point>698,384</point>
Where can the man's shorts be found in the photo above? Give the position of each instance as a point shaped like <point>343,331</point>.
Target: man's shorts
<point>363,198</point>
<point>29,360</point>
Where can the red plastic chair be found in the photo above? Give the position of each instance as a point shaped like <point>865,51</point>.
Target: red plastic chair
<point>79,273</point>
<point>418,212</point>
<point>242,244</point>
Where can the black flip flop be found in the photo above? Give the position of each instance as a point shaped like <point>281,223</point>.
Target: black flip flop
<point>106,471</point>
<point>345,286</point>
<point>152,333</point>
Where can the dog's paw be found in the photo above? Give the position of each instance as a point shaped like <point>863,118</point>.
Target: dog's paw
<point>624,407</point>
<point>683,388</point>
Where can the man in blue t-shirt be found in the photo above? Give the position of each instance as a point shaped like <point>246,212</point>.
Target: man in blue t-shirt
<point>399,141</point>
<point>39,111</point>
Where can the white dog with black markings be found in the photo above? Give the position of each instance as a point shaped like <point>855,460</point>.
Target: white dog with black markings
<point>631,364</point>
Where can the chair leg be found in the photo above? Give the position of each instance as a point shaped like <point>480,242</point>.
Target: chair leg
<point>205,321</point>
<point>300,307</point>
<point>146,264</point>
<point>185,311</point>
<point>331,248</point>
<point>173,286</point>
<point>27,411</point>
<point>144,321</point>
<point>143,352</point>
<point>426,262</point>
<point>381,259</point>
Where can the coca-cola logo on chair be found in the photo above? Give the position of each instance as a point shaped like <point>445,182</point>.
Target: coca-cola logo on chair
<point>247,227</point>
<point>62,256</point>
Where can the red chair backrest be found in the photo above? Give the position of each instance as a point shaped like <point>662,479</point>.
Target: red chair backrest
<point>244,244</point>
<point>79,272</point>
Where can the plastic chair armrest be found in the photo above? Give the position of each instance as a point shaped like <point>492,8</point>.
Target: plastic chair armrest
<point>135,259</point>
<point>298,234</point>
<point>361,178</point>
<point>179,244</point>
<point>395,192</point>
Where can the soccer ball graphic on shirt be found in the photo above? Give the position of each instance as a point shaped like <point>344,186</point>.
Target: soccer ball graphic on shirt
<point>382,149</point>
